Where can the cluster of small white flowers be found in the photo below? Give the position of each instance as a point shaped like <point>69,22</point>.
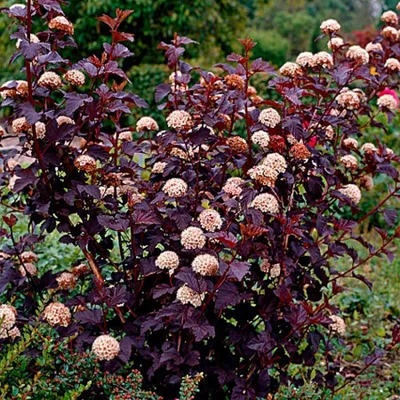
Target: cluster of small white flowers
<point>335,43</point>
<point>175,187</point>
<point>358,54</point>
<point>338,325</point>
<point>373,47</point>
<point>205,265</point>
<point>393,64</point>
<point>269,117</point>
<point>390,17</point>
<point>28,256</point>
<point>350,143</point>
<point>367,182</point>
<point>233,186</point>
<point>146,124</point>
<point>8,316</point>
<point>261,138</point>
<point>75,77</point>
<point>390,33</point>
<point>291,70</point>
<point>125,136</point>
<point>12,333</point>
<point>66,280</point>
<point>305,59</point>
<point>210,220</point>
<point>368,148</point>
<point>266,203</point>
<point>349,99</point>
<point>85,163</point>
<point>20,125</point>
<point>387,101</point>
<point>27,267</point>
<point>167,260</point>
<point>322,59</point>
<point>50,80</point>
<point>330,26</point>
<point>159,167</point>
<point>264,175</point>
<point>349,162</point>
<point>193,238</point>
<point>62,24</point>
<point>352,192</point>
<point>62,119</point>
<point>186,295</point>
<point>57,314</point>
<point>105,347</point>
<point>179,153</point>
<point>273,270</point>
<point>179,120</point>
<point>276,162</point>
<point>40,129</point>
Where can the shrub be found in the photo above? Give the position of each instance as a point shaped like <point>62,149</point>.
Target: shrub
<point>203,251</point>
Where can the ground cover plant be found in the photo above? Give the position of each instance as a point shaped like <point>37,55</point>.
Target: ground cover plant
<point>208,252</point>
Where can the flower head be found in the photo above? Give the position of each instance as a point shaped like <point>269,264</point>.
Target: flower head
<point>337,325</point>
<point>20,125</point>
<point>392,64</point>
<point>8,316</point>
<point>330,26</point>
<point>390,17</point>
<point>193,238</point>
<point>66,280</point>
<point>234,81</point>
<point>62,24</point>
<point>205,265</point>
<point>350,143</point>
<point>390,33</point>
<point>348,99</point>
<point>85,163</point>
<point>146,124</point>
<point>57,314</point>
<point>158,167</point>
<point>387,101</point>
<point>175,187</point>
<point>299,151</point>
<point>374,47</point>
<point>50,80</point>
<point>352,192</point>
<point>291,70</point>
<point>269,117</point>
<point>75,77</point>
<point>349,162</point>
<point>276,162</point>
<point>186,295</point>
<point>305,59</point>
<point>261,138</point>
<point>335,43</point>
<point>105,347</point>
<point>167,260</point>
<point>179,120</point>
<point>322,59</point>
<point>367,182</point>
<point>264,175</point>
<point>237,144</point>
<point>358,54</point>
<point>28,257</point>
<point>210,220</point>
<point>266,203</point>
